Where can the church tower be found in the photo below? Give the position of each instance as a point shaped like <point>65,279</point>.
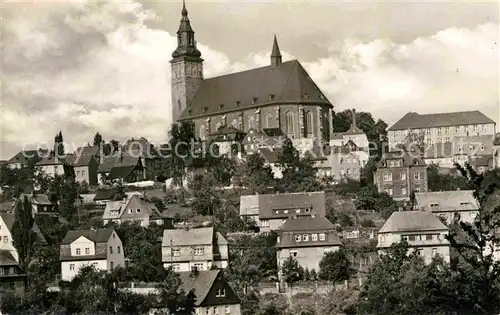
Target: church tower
<point>186,67</point>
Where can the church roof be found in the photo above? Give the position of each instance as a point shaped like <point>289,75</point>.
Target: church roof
<point>287,82</point>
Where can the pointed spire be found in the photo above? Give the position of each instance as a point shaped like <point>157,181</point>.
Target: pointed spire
<point>184,11</point>
<point>275,53</point>
<point>186,44</point>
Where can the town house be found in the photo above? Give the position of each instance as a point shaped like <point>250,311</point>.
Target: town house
<point>100,248</point>
<point>120,168</point>
<point>23,159</point>
<point>11,275</point>
<point>306,239</point>
<point>448,204</point>
<point>85,167</point>
<point>423,231</point>
<point>400,173</point>
<point>270,211</point>
<point>198,248</point>
<point>40,203</point>
<point>134,208</point>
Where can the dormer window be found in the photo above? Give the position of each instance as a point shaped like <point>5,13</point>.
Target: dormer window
<point>415,162</point>
<point>205,109</point>
<point>271,97</point>
<point>237,103</point>
<point>190,112</point>
<point>298,238</point>
<point>434,205</point>
<point>138,210</point>
<point>305,237</point>
<point>306,96</point>
<point>464,204</point>
<point>254,100</point>
<point>482,147</point>
<point>221,106</point>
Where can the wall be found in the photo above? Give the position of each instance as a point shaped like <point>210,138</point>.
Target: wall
<point>5,234</point>
<point>117,257</point>
<point>68,275</point>
<point>441,245</point>
<point>307,257</point>
<point>52,170</point>
<point>187,253</point>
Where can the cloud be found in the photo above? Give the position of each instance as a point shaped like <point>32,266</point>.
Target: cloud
<point>98,67</point>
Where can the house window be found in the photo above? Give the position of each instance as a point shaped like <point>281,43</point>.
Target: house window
<point>411,238</point>
<point>403,191</point>
<point>428,237</point>
<point>434,252</point>
<point>309,122</point>
<point>314,237</point>
<point>199,251</point>
<point>118,249</point>
<point>403,176</point>
<point>305,237</point>
<point>293,253</point>
<point>129,211</point>
<point>387,177</point>
<point>78,251</point>
<point>111,250</point>
<point>416,176</point>
<point>227,310</point>
<point>138,210</point>
<point>322,236</point>
<point>111,265</point>
<point>176,267</point>
<point>289,122</point>
<point>264,223</point>
<point>71,267</point>
<point>388,191</point>
<point>198,266</point>
<point>176,252</point>
<point>5,239</point>
<point>95,265</point>
<point>221,293</point>
<point>87,251</point>
<point>298,238</point>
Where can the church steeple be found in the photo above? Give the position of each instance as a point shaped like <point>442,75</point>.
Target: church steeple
<point>186,45</point>
<point>275,54</point>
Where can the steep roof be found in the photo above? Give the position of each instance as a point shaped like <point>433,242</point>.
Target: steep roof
<point>307,224</point>
<point>83,160</point>
<point>6,259</point>
<point>414,120</point>
<point>266,203</point>
<point>38,199</point>
<point>139,147</point>
<point>188,237</point>
<point>455,200</point>
<point>412,221</point>
<point>97,236</point>
<point>132,201</point>
<point>121,171</point>
<point>23,157</point>
<point>88,150</point>
<point>200,283</point>
<point>8,219</point>
<point>288,82</point>
<point>117,161</point>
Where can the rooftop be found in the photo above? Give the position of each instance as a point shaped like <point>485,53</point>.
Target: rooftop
<point>414,120</point>
<point>412,221</point>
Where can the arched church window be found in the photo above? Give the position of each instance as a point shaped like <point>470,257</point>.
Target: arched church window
<point>202,132</point>
<point>309,122</point>
<point>191,41</point>
<point>234,123</point>
<point>289,122</point>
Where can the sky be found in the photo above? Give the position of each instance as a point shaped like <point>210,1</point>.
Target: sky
<point>86,66</point>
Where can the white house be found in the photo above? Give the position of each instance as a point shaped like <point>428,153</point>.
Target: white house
<point>423,231</point>
<point>100,248</point>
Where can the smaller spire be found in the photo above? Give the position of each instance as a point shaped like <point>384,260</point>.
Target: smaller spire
<point>184,11</point>
<point>275,53</point>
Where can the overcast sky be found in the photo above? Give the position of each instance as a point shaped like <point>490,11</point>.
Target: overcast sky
<point>83,67</point>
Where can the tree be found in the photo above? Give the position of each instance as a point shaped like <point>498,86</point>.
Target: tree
<point>182,137</point>
<point>173,297</point>
<point>98,139</point>
<point>335,266</point>
<point>59,145</point>
<point>291,271</point>
<point>223,170</point>
<point>22,231</point>
<point>298,174</point>
<point>257,176</point>
<point>68,198</point>
<point>476,242</point>
<point>438,181</point>
<point>206,198</point>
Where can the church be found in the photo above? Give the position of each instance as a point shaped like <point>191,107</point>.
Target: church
<point>280,95</point>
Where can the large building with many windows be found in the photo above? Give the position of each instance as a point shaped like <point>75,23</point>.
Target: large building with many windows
<point>280,95</point>
<point>441,127</point>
